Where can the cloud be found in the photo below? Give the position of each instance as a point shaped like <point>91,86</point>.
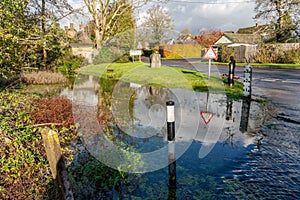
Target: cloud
<point>200,16</point>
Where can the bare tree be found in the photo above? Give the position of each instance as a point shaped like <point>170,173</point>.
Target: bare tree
<point>105,12</point>
<point>158,24</point>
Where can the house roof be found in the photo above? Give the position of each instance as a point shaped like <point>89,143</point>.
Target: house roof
<point>253,29</point>
<point>208,39</point>
<point>236,38</point>
<point>184,39</point>
<point>83,38</point>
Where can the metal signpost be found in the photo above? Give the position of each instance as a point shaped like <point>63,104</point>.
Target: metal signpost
<point>210,54</point>
<point>206,116</point>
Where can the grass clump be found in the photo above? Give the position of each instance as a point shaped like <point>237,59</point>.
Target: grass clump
<point>43,77</point>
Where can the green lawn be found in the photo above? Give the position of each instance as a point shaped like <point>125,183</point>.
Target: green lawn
<point>167,77</point>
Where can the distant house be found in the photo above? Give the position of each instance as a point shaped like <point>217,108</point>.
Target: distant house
<point>82,45</point>
<point>183,39</point>
<point>71,32</point>
<point>82,37</point>
<point>208,38</point>
<point>236,39</point>
<point>245,45</point>
<point>257,29</point>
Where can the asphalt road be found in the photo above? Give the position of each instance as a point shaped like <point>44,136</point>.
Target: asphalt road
<point>280,86</point>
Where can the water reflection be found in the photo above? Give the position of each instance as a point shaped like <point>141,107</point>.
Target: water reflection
<point>120,117</point>
<point>139,111</point>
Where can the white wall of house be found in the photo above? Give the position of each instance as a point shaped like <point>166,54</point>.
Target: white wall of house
<point>223,40</point>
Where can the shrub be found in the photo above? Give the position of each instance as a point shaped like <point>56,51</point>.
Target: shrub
<point>70,64</point>
<point>224,53</point>
<point>43,77</point>
<point>104,56</point>
<point>110,54</point>
<point>123,58</point>
<point>291,56</point>
<point>278,53</point>
<point>147,52</point>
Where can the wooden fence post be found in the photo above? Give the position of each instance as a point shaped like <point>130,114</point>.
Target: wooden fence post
<point>56,161</point>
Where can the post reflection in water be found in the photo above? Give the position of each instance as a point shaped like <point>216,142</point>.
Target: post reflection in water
<point>245,115</point>
<point>172,180</point>
<point>229,109</point>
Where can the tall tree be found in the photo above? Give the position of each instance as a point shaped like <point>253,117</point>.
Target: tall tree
<point>106,13</point>
<point>185,31</point>
<point>14,27</point>
<point>119,23</point>
<point>27,38</point>
<point>283,16</point>
<point>48,13</point>
<point>158,23</point>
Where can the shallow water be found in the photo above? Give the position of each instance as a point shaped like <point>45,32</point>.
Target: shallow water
<point>220,157</point>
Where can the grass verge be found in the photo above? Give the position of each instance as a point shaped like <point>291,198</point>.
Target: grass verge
<point>166,77</point>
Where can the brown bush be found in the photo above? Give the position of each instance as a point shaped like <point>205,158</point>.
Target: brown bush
<point>43,77</point>
<point>55,111</point>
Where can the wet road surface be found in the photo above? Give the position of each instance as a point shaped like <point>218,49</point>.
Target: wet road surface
<point>273,170</point>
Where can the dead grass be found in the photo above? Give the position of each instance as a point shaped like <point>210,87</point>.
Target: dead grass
<point>43,77</point>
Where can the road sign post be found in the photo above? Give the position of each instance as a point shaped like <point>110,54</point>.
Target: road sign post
<point>206,116</point>
<point>133,53</point>
<point>210,54</point>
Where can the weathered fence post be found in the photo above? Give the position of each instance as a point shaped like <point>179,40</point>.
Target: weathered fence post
<point>57,165</point>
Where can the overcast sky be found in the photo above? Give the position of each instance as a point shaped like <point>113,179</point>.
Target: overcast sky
<point>197,15</point>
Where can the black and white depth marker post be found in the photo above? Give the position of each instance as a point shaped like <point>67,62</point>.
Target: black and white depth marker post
<point>171,149</point>
<point>171,129</point>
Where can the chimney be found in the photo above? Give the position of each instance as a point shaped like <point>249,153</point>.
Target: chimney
<point>81,27</point>
<point>72,26</point>
<point>256,24</point>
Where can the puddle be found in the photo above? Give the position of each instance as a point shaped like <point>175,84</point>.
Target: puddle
<point>123,125</point>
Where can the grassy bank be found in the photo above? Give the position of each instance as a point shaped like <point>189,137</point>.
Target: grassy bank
<point>167,77</point>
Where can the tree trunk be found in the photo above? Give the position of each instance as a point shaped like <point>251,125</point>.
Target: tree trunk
<point>279,21</point>
<point>97,38</point>
<point>44,35</point>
